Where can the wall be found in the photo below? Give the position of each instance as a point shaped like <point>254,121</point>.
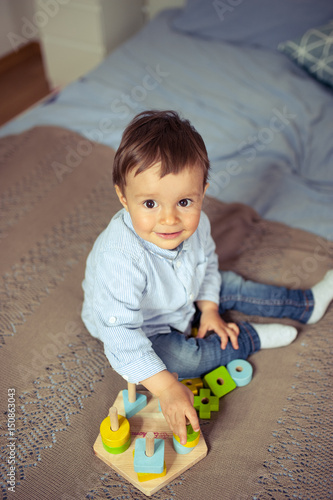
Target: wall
<point>13,14</point>
<point>18,26</point>
<point>154,6</point>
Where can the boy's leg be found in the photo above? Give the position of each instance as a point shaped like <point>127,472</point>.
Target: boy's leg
<point>191,358</point>
<point>263,300</point>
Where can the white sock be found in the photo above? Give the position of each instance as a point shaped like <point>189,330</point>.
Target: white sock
<point>274,335</point>
<point>323,295</point>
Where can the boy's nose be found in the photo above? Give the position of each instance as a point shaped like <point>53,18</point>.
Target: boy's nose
<point>168,217</point>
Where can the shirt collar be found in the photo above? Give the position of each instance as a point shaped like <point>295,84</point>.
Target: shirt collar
<point>151,247</point>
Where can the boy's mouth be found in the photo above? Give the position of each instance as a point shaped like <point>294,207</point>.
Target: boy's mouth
<point>169,236</point>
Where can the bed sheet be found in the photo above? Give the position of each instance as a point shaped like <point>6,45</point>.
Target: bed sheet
<point>266,123</point>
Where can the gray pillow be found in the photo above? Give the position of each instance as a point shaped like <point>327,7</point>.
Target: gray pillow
<point>314,52</point>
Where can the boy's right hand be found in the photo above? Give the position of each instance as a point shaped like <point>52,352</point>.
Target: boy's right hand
<point>176,402</point>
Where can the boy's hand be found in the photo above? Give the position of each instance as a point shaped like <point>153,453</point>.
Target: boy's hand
<point>176,402</point>
<point>211,321</point>
<point>177,407</point>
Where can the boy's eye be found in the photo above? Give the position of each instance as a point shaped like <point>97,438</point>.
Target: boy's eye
<point>186,202</point>
<point>150,204</point>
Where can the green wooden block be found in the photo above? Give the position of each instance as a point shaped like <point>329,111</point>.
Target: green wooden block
<point>119,449</point>
<point>205,403</point>
<point>219,381</point>
<point>191,434</point>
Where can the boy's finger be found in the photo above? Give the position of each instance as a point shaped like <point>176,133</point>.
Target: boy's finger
<point>233,335</point>
<point>225,335</point>
<point>194,421</point>
<point>201,333</point>
<point>234,327</point>
<point>182,435</point>
<point>233,339</point>
<point>224,341</point>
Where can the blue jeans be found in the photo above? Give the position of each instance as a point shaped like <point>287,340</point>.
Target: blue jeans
<point>190,357</point>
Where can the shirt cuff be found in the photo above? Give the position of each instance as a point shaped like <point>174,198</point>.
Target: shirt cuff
<point>143,367</point>
<point>212,297</point>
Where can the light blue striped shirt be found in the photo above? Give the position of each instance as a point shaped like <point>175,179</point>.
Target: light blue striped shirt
<point>133,289</point>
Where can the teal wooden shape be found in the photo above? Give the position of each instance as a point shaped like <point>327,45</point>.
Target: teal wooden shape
<point>133,408</point>
<point>154,464</point>
<point>205,403</point>
<point>180,449</point>
<point>241,371</point>
<point>219,381</point>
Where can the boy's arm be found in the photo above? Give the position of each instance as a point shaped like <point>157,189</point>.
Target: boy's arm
<point>176,401</point>
<point>209,296</point>
<point>211,284</point>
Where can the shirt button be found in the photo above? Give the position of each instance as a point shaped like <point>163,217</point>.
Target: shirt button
<point>191,296</point>
<point>178,264</point>
<point>112,320</point>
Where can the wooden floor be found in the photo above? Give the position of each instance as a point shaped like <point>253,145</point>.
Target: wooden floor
<point>22,81</point>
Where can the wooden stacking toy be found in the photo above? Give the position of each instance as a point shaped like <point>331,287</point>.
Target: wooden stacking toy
<point>205,403</point>
<point>192,441</point>
<point>241,371</point>
<point>194,384</point>
<point>159,460</point>
<point>219,381</point>
<point>115,432</point>
<point>133,402</point>
<point>149,458</point>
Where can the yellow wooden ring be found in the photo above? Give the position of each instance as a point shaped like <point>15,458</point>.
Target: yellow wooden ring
<point>189,444</point>
<point>115,439</point>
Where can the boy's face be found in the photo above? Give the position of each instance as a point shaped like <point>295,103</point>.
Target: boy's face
<point>164,211</point>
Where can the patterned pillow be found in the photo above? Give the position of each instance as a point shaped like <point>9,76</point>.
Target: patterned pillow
<point>314,52</point>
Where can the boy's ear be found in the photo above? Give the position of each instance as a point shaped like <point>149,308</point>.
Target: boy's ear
<point>121,197</point>
<point>206,187</point>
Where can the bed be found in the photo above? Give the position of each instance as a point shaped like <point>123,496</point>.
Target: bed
<point>261,96</point>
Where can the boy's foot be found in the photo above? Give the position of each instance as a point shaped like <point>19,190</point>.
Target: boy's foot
<point>274,335</point>
<point>323,296</point>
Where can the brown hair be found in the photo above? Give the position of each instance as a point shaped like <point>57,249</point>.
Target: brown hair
<point>159,136</point>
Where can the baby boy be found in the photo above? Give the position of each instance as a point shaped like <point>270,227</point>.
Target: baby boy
<point>153,272</point>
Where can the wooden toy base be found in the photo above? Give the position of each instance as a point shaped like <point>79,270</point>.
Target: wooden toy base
<point>149,419</point>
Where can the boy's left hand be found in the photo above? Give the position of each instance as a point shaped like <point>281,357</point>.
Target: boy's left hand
<point>211,321</point>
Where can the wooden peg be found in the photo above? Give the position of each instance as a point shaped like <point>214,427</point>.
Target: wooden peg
<point>149,456</point>
<point>150,444</point>
<point>113,414</point>
<point>133,401</point>
<point>115,432</point>
<point>131,392</point>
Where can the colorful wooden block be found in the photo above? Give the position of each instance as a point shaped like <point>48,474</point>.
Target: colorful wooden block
<point>133,402</point>
<point>194,331</point>
<point>149,462</point>
<point>147,476</point>
<point>119,449</point>
<point>205,403</point>
<point>193,438</point>
<point>219,381</point>
<point>241,371</point>
<point>194,384</point>
<point>115,433</point>
<point>179,448</point>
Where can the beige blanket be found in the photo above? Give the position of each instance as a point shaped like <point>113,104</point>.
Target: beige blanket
<point>270,439</point>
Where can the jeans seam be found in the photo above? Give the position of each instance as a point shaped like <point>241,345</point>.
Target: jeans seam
<point>269,302</point>
<point>250,336</point>
<point>308,303</point>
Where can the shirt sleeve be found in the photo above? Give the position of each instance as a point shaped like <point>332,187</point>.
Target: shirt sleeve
<point>119,286</point>
<point>211,285</point>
